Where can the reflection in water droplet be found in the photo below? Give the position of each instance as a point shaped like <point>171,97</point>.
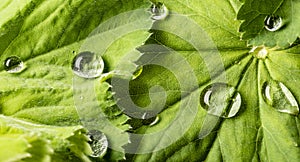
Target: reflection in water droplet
<point>151,121</point>
<point>156,120</point>
<point>237,62</point>
<point>98,143</point>
<point>13,64</point>
<point>273,23</point>
<point>88,65</point>
<point>207,97</point>
<point>137,73</point>
<point>144,116</point>
<point>277,95</point>
<point>159,11</point>
<point>221,100</point>
<point>259,52</point>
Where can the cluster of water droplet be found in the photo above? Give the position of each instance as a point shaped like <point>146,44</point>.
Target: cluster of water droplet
<point>218,99</point>
<point>222,100</point>
<point>87,64</point>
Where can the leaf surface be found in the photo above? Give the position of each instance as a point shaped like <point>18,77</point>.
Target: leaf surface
<point>254,14</point>
<point>46,36</point>
<point>257,133</point>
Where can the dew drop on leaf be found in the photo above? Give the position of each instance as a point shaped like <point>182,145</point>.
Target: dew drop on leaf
<point>159,11</point>
<point>277,95</point>
<point>13,64</point>
<point>273,23</point>
<point>98,143</point>
<point>221,100</point>
<point>259,52</point>
<point>88,65</point>
<point>137,73</point>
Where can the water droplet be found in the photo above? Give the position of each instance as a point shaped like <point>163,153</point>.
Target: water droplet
<point>156,120</point>
<point>151,121</point>
<point>137,73</point>
<point>220,99</point>
<point>98,143</point>
<point>88,65</point>
<point>237,62</point>
<point>273,23</point>
<point>13,64</point>
<point>259,52</point>
<point>159,11</point>
<point>277,95</point>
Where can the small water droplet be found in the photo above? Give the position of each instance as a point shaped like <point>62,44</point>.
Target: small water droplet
<point>156,120</point>
<point>98,143</point>
<point>13,64</point>
<point>137,73</point>
<point>88,65</point>
<point>159,11</point>
<point>237,62</point>
<point>259,52</point>
<point>277,95</point>
<point>220,99</point>
<point>273,23</point>
<point>151,121</point>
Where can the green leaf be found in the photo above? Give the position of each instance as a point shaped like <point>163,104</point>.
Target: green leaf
<point>257,133</point>
<point>46,36</point>
<point>254,13</point>
<point>61,138</point>
<point>17,145</point>
<point>16,148</point>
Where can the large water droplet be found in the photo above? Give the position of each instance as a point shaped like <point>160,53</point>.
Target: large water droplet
<point>13,64</point>
<point>159,11</point>
<point>137,73</point>
<point>273,23</point>
<point>259,52</point>
<point>98,143</point>
<point>280,97</point>
<point>88,65</point>
<point>221,100</point>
